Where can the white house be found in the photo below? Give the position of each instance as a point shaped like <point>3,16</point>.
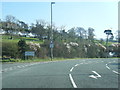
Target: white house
<point>2,31</point>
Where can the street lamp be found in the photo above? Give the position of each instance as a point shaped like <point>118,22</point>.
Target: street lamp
<point>51,42</point>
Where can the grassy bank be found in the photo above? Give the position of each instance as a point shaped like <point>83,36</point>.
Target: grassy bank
<point>15,39</point>
<point>44,60</point>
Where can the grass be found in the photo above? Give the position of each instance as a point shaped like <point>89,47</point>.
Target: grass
<point>37,60</point>
<point>5,38</point>
<point>45,60</point>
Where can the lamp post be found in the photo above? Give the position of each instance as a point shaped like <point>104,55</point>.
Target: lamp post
<point>51,42</point>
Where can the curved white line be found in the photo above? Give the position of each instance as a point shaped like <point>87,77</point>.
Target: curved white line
<point>112,70</point>
<point>107,67</point>
<point>115,72</point>
<point>76,65</point>
<point>72,81</point>
<point>71,69</point>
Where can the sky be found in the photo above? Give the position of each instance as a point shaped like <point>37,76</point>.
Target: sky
<point>98,15</point>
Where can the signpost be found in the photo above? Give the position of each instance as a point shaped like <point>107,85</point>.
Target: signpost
<point>51,45</point>
<point>29,53</point>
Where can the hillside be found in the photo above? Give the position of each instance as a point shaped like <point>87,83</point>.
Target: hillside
<point>16,38</point>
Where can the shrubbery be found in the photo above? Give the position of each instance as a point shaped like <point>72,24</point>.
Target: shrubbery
<point>9,49</point>
<point>61,49</point>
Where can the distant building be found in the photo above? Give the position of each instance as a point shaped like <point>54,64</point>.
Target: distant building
<point>2,31</point>
<point>31,35</point>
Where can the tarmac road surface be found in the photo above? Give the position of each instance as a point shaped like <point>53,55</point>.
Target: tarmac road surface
<point>83,73</point>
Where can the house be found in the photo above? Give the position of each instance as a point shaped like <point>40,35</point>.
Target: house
<point>2,31</point>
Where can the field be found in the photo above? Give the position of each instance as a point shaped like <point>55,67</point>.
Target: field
<point>6,38</point>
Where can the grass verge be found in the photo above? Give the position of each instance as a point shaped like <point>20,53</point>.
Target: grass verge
<point>43,60</point>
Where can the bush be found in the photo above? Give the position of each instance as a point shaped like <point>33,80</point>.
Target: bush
<point>60,50</point>
<point>41,52</point>
<point>22,47</point>
<point>9,49</point>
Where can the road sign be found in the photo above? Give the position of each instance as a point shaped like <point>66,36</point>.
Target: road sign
<point>29,53</point>
<point>51,45</point>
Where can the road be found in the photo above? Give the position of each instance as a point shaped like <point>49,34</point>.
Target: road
<point>83,73</point>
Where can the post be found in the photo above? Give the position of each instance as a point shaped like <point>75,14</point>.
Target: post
<point>51,43</point>
<point>107,40</point>
<point>107,45</point>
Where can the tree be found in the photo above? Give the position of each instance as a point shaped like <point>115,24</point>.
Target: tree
<point>81,31</point>
<point>23,26</point>
<point>108,33</point>
<point>91,34</point>
<point>10,25</point>
<point>48,32</point>
<point>39,29</point>
<point>72,34</point>
<point>22,47</point>
<point>10,21</point>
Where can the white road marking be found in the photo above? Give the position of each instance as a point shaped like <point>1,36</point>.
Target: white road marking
<point>93,76</point>
<point>71,69</point>
<point>72,81</point>
<point>96,73</point>
<point>107,67</point>
<point>76,64</point>
<point>112,70</point>
<point>115,72</point>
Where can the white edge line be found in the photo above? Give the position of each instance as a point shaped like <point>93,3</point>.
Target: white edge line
<point>72,81</point>
<point>76,64</point>
<point>71,69</point>
<point>107,67</point>
<point>115,72</point>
